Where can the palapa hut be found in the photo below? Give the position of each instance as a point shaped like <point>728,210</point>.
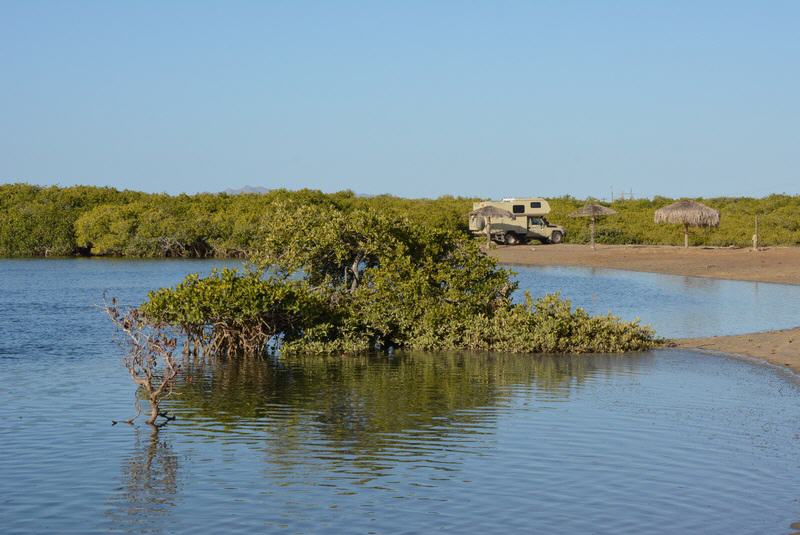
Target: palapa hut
<point>593,211</point>
<point>488,212</point>
<point>688,214</point>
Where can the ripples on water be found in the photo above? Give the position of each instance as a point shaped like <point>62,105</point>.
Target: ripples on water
<point>664,441</point>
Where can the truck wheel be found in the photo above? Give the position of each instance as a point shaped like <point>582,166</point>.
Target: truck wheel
<point>511,238</point>
<point>556,237</point>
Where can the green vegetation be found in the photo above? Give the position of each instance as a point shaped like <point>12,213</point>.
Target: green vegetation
<point>778,216</point>
<point>329,281</point>
<point>54,221</point>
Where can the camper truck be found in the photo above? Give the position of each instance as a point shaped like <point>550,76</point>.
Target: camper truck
<point>527,222</point>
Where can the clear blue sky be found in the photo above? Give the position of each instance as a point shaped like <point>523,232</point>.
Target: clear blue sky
<point>680,98</point>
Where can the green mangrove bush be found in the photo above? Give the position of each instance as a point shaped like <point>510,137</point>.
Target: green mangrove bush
<point>231,312</point>
<point>53,221</point>
<point>326,281</point>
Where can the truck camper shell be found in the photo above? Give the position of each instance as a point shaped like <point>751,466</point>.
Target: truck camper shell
<point>527,221</point>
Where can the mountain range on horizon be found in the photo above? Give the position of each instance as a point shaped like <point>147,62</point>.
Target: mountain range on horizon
<point>246,189</point>
<point>261,190</point>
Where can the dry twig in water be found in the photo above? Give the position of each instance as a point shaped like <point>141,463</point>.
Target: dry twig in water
<point>149,360</point>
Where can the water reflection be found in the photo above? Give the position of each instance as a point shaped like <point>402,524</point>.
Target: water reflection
<point>367,403</point>
<point>347,424</point>
<point>149,485</point>
<point>698,283</point>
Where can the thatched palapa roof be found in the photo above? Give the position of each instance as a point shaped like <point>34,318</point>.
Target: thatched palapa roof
<point>688,213</point>
<point>593,210</point>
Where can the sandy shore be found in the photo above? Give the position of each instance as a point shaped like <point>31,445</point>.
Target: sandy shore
<point>779,264</point>
<point>776,264</point>
<point>781,348</point>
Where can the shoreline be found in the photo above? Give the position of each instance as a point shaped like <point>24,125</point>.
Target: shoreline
<point>779,348</point>
<point>779,265</point>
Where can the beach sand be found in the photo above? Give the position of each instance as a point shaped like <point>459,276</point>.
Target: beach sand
<point>781,348</point>
<point>776,264</point>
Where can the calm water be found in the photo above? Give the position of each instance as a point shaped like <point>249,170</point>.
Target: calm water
<point>664,442</point>
<point>678,307</point>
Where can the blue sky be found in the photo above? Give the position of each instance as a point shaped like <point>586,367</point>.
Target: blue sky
<point>419,99</point>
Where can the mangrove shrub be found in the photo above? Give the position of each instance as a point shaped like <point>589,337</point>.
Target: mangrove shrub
<point>325,280</point>
<point>54,221</point>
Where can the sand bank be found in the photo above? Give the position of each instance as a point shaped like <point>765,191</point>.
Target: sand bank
<point>781,348</point>
<point>777,264</point>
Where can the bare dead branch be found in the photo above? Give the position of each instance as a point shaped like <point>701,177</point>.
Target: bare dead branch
<point>149,359</point>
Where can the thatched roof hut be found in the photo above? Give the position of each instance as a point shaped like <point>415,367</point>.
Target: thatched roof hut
<point>492,211</point>
<point>592,211</point>
<point>689,214</point>
<point>489,212</point>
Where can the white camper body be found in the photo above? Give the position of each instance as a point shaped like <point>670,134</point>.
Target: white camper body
<point>527,222</point>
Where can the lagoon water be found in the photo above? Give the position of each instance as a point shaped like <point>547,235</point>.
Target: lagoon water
<point>660,442</point>
<point>676,306</point>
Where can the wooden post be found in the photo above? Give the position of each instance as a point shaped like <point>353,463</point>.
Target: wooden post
<point>592,233</point>
<point>488,232</point>
<point>755,236</point>
<point>686,235</point>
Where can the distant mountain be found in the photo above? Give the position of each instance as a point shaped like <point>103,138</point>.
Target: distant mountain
<point>259,190</point>
<point>247,189</point>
